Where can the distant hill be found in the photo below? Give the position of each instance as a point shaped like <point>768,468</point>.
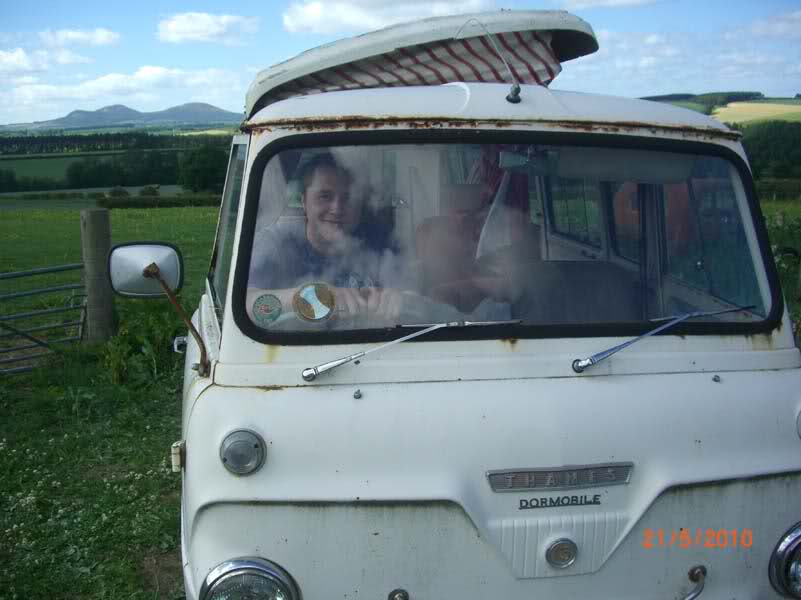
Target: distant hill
<point>117,115</point>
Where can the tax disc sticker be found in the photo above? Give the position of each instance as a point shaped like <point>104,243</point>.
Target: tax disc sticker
<point>314,302</point>
<point>266,309</point>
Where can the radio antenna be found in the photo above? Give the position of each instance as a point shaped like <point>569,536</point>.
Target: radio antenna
<point>514,94</point>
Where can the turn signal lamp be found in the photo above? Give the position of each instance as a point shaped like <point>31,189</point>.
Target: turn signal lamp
<point>242,452</point>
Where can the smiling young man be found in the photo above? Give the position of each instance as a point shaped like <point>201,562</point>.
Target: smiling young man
<point>337,246</point>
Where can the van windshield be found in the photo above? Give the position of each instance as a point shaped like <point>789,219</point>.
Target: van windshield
<point>366,237</point>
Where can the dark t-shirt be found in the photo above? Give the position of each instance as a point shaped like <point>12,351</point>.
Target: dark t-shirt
<point>284,258</point>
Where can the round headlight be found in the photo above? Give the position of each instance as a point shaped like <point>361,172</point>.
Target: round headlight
<point>785,564</point>
<point>242,452</point>
<point>251,578</point>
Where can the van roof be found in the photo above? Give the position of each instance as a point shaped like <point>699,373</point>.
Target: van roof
<point>480,47</point>
<point>487,103</point>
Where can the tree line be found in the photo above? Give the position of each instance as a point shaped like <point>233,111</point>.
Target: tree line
<point>198,169</point>
<point>105,142</point>
<point>773,149</point>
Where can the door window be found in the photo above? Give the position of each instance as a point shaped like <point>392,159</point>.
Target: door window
<point>224,244</point>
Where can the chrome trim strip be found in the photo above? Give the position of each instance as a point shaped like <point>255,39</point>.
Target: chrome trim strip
<point>568,477</point>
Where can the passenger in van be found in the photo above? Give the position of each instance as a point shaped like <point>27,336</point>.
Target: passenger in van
<point>341,243</point>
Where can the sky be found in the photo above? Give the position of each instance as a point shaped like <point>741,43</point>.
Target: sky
<point>59,56</point>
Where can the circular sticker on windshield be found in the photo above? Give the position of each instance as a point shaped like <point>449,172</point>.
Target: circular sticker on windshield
<point>314,302</point>
<point>266,309</point>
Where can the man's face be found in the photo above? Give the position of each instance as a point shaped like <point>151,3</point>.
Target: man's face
<point>331,212</point>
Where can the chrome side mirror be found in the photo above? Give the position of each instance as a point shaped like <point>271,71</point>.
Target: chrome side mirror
<point>127,263</point>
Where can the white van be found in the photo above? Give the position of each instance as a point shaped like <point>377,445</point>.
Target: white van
<point>467,337</point>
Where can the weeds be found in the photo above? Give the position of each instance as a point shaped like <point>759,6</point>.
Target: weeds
<point>87,489</point>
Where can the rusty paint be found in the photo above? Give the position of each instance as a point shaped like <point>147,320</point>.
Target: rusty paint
<point>152,271</point>
<point>511,342</point>
<point>761,341</point>
<point>272,353</point>
<point>351,122</point>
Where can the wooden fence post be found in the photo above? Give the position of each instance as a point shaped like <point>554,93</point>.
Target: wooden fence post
<point>95,245</point>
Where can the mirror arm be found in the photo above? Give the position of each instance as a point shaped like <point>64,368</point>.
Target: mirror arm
<point>152,272</point>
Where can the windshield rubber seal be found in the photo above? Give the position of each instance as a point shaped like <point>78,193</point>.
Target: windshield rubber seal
<point>539,331</point>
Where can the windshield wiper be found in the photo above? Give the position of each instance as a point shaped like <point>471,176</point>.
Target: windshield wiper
<point>581,364</point>
<point>311,373</point>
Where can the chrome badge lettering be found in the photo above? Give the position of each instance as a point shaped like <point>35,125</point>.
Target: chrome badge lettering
<point>560,478</point>
<point>527,503</point>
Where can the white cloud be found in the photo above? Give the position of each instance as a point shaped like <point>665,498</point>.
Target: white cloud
<point>15,60</point>
<point>146,83</point>
<point>650,63</point>
<point>327,17</point>
<point>21,61</point>
<point>62,56</point>
<point>87,37</point>
<point>24,80</point>
<point>579,4</point>
<point>750,59</point>
<point>783,26</point>
<point>205,27</point>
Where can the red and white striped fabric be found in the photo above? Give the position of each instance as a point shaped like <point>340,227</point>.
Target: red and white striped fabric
<point>528,54</point>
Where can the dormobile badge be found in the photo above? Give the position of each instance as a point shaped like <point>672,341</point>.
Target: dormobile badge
<point>560,478</point>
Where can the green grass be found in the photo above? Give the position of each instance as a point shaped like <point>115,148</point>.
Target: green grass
<point>88,507</point>
<point>54,167</point>
<point>784,229</point>
<point>779,101</point>
<point>32,238</point>
<point>18,203</point>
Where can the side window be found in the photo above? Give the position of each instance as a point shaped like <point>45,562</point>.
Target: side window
<point>224,244</point>
<point>706,245</point>
<point>626,212</point>
<point>576,210</point>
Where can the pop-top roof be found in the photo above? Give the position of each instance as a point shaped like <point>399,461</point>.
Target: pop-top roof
<point>428,52</point>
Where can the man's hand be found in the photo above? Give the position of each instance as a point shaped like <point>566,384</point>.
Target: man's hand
<point>384,303</point>
<point>350,302</point>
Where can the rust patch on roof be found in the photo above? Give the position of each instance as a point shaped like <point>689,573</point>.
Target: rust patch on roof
<point>352,122</point>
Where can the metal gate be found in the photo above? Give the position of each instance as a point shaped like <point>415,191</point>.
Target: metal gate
<point>31,333</point>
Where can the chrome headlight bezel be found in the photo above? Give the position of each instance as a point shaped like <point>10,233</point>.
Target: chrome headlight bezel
<point>788,548</point>
<point>251,565</point>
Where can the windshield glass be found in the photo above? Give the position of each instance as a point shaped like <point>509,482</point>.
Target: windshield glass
<point>364,237</point>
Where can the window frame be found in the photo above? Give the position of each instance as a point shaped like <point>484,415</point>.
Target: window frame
<point>470,135</point>
<point>218,303</point>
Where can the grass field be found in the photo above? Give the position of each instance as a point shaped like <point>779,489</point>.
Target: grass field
<point>742,112</point>
<point>790,101</point>
<point>49,167</point>
<point>89,507</point>
<point>54,166</point>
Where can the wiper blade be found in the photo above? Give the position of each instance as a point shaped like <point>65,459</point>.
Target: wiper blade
<point>581,364</point>
<point>311,373</point>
